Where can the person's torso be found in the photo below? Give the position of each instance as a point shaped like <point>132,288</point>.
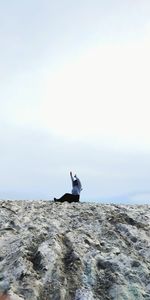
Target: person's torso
<point>76,190</point>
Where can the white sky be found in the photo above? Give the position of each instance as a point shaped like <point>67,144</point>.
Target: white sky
<point>75,74</point>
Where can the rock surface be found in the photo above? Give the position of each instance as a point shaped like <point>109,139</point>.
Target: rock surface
<point>78,251</point>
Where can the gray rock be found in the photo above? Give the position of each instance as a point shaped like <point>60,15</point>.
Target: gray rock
<point>77,251</point>
<point>4,286</point>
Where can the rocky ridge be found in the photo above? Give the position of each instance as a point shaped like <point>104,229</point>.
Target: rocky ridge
<point>77,251</point>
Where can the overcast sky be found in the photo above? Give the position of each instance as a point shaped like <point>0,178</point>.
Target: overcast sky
<point>74,95</point>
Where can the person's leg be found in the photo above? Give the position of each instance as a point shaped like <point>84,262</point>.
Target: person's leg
<point>64,198</point>
<point>76,198</point>
<point>68,197</point>
<point>72,198</point>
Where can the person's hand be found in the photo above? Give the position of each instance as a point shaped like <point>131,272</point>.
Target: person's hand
<point>70,173</point>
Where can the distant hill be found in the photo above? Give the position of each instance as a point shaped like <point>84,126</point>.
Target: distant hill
<point>129,198</point>
<point>143,197</point>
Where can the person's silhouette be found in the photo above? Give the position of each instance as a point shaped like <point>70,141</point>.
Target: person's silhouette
<point>76,190</point>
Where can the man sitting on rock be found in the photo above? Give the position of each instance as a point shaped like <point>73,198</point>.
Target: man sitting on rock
<point>76,189</point>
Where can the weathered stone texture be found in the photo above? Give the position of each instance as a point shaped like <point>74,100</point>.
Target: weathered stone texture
<point>77,251</point>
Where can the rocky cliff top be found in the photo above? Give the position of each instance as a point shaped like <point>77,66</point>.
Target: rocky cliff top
<point>80,251</point>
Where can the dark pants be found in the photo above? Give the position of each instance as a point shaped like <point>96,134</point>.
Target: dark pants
<point>68,197</point>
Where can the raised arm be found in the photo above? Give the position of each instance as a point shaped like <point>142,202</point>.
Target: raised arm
<point>71,177</point>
